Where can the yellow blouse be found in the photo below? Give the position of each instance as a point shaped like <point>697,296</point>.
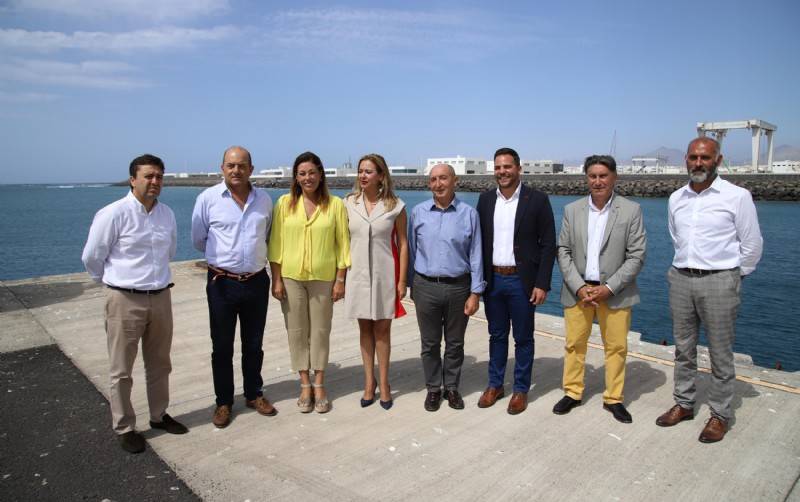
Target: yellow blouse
<point>309,249</point>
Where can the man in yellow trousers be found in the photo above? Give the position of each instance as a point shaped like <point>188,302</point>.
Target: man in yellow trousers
<point>601,249</point>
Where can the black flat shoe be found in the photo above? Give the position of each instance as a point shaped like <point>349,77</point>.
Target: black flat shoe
<point>132,442</point>
<point>565,405</point>
<point>454,399</point>
<point>170,425</point>
<point>619,412</point>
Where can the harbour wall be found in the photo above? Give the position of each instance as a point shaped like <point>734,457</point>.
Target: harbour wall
<point>781,187</point>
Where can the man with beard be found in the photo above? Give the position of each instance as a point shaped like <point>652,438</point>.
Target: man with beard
<point>519,247</point>
<point>714,229</point>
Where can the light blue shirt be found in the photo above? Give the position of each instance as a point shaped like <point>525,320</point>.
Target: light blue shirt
<point>232,238</point>
<point>445,242</point>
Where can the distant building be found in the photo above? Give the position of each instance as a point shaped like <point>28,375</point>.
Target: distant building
<point>462,165</point>
<point>786,167</point>
<point>403,170</point>
<point>540,167</point>
<point>276,172</point>
<point>643,164</point>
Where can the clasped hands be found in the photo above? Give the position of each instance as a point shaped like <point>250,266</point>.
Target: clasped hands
<point>591,296</point>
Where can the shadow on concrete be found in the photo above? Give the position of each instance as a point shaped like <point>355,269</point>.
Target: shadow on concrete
<point>41,294</point>
<point>640,378</point>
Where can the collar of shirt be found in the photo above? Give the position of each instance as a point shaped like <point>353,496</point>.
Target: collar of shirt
<point>514,195</point>
<point>716,186</point>
<point>137,204</point>
<point>594,208</point>
<point>453,205</point>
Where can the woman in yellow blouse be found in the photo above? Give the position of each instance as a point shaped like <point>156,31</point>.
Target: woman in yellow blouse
<point>309,252</point>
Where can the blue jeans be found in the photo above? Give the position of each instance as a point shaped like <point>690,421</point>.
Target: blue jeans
<point>505,305</point>
<point>229,300</point>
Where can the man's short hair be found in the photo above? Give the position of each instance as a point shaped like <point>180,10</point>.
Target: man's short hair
<point>603,160</point>
<point>508,151</point>
<point>145,160</point>
<point>237,147</point>
<point>707,139</point>
<point>450,169</point>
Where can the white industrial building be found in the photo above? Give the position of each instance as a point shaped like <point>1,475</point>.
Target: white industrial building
<point>395,170</point>
<point>786,167</point>
<point>462,165</point>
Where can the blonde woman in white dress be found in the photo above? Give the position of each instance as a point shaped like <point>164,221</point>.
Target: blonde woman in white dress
<point>376,280</point>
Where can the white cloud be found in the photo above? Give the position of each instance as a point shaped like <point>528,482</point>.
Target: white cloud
<point>112,75</point>
<point>26,97</point>
<point>159,10</point>
<point>168,37</point>
<point>365,34</point>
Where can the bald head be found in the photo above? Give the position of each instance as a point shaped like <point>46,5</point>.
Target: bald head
<point>707,142</point>
<point>447,167</point>
<point>239,153</point>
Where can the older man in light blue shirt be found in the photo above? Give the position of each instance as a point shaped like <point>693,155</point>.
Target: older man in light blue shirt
<point>446,279</point>
<point>230,225</point>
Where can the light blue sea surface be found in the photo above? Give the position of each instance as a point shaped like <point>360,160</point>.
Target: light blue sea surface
<point>44,229</point>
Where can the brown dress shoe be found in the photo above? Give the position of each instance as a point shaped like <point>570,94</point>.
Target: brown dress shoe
<point>262,406</point>
<point>222,416</point>
<point>674,415</point>
<point>518,403</point>
<point>490,396</point>
<point>714,430</point>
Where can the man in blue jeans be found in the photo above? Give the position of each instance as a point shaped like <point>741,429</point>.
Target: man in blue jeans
<point>519,248</point>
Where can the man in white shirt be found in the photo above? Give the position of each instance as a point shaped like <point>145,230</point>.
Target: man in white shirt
<point>715,232</point>
<point>129,247</point>
<point>601,250</point>
<point>519,247</point>
<point>230,225</point>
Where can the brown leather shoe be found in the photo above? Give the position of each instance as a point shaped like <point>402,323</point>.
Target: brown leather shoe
<point>262,406</point>
<point>714,430</point>
<point>518,403</point>
<point>674,415</point>
<point>222,416</point>
<point>490,396</point>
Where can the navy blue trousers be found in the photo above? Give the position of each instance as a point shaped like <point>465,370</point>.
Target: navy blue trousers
<point>508,305</point>
<point>229,300</point>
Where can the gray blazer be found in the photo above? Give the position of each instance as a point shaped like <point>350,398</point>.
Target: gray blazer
<point>622,251</point>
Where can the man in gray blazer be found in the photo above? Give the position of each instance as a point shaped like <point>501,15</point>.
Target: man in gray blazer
<point>601,249</point>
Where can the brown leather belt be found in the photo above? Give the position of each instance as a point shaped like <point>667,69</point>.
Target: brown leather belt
<point>219,272</point>
<point>503,270</point>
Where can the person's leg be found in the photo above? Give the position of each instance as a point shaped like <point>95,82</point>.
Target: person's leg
<point>499,324</point>
<point>156,346</point>
<point>320,314</point>
<point>522,319</point>
<point>126,319</point>
<point>295,316</point>
<point>367,342</point>
<point>222,312</point>
<point>578,326</point>
<point>614,326</point>
<point>685,325</point>
<point>252,319</point>
<point>383,347</point>
<point>718,304</point>
<point>455,325</point>
<point>428,304</point>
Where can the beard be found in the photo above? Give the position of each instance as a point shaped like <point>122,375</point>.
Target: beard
<point>701,175</point>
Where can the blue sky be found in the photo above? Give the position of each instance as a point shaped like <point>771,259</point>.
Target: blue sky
<point>86,85</point>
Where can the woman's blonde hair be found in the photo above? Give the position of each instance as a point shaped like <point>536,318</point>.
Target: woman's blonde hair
<point>386,189</point>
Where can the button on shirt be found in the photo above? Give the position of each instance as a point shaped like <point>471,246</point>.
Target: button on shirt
<point>716,229</point>
<point>505,213</point>
<point>445,242</point>
<point>596,231</point>
<point>232,238</point>
<point>129,247</point>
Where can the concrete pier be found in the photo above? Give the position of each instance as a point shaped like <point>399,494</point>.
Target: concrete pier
<point>407,453</point>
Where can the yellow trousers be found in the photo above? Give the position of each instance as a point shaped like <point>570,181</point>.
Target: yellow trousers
<point>614,326</point>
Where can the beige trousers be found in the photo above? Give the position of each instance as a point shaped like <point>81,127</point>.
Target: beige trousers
<point>307,312</point>
<point>132,317</point>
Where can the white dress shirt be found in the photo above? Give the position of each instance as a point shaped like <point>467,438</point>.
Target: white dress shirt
<point>716,229</point>
<point>596,230</point>
<point>505,212</point>
<point>232,238</point>
<point>129,247</point>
